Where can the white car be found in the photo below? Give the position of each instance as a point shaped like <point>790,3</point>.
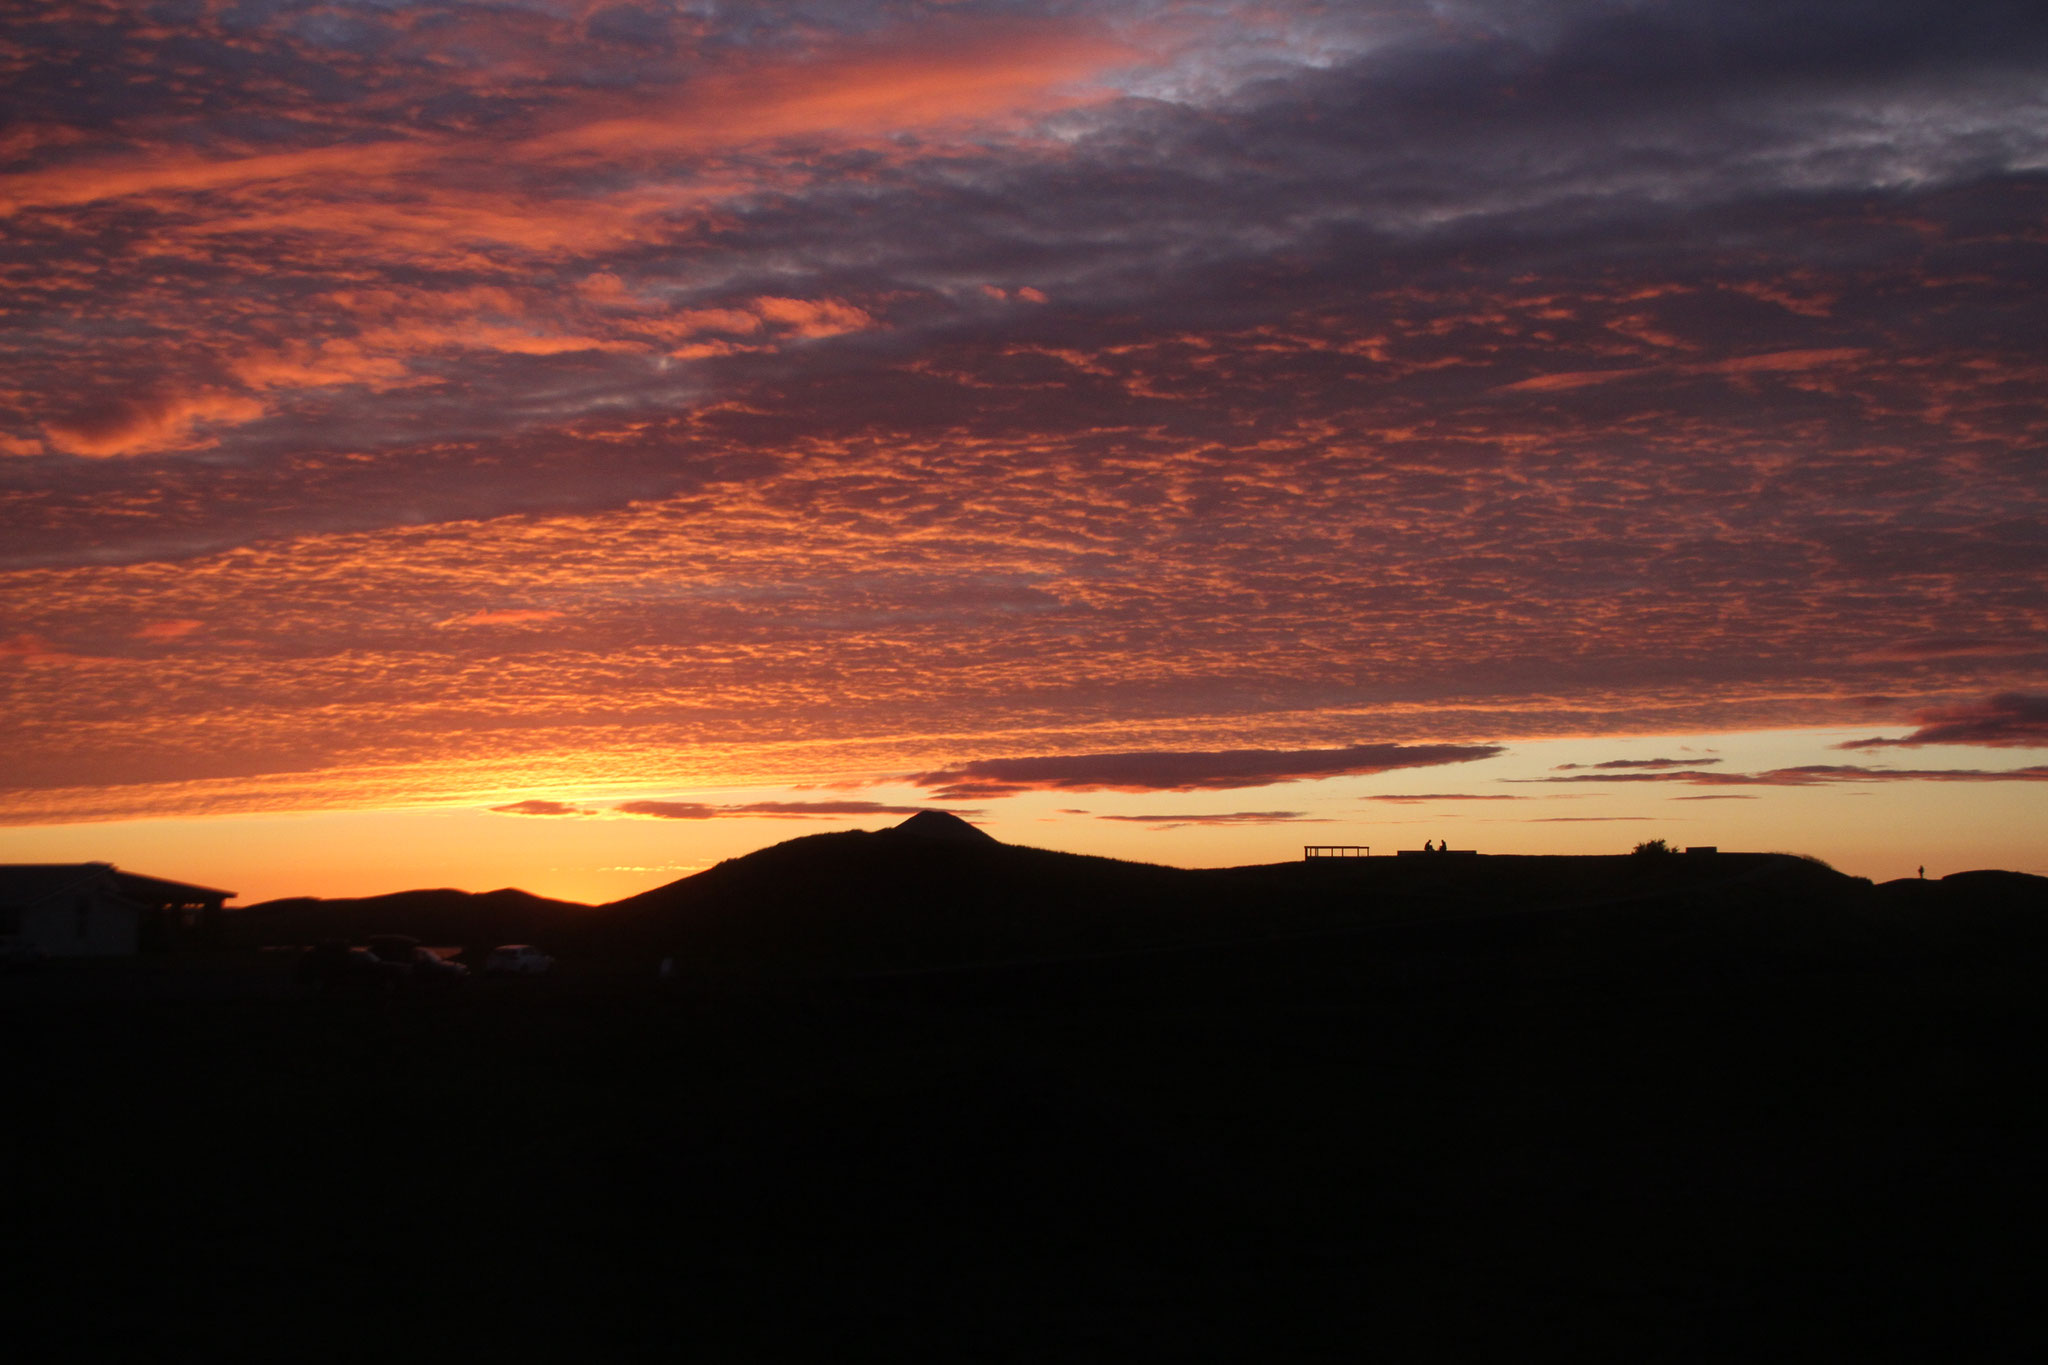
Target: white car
<point>522,959</point>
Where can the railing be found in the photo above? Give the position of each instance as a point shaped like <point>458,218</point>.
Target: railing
<point>1336,851</point>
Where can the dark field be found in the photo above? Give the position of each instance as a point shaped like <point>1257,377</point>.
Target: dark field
<point>1541,1138</point>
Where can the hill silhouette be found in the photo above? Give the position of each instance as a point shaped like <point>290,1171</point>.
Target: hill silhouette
<point>442,916</point>
<point>936,893</point>
<point>932,891</point>
<point>963,1092</point>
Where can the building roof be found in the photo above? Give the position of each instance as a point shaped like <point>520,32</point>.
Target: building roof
<point>29,883</point>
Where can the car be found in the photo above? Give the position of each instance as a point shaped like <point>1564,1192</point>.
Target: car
<point>334,968</point>
<point>430,966</point>
<point>423,966</point>
<point>517,959</point>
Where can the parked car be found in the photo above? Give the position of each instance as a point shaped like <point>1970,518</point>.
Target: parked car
<point>428,965</point>
<point>334,968</point>
<point>517,959</point>
<point>423,966</point>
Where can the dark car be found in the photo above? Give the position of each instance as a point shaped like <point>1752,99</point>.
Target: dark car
<point>420,967</point>
<point>517,959</point>
<point>430,968</point>
<point>335,968</point>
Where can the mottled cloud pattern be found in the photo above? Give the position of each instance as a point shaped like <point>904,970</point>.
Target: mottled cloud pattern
<point>405,403</point>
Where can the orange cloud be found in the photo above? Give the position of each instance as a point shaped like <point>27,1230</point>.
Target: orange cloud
<point>814,317</point>
<point>962,74</point>
<point>86,182</point>
<point>508,617</point>
<point>148,421</point>
<point>35,650</point>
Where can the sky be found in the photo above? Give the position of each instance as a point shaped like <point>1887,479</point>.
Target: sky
<point>565,444</point>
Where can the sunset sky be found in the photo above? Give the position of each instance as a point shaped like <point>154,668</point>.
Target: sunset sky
<point>561,444</point>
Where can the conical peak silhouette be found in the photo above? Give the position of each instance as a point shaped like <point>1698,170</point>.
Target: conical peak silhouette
<point>940,824</point>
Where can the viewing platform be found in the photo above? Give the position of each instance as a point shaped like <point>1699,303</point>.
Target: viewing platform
<point>1336,851</point>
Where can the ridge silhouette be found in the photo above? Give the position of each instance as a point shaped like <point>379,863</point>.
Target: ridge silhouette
<point>934,892</point>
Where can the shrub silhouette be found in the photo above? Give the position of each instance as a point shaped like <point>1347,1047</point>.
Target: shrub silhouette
<point>1651,847</point>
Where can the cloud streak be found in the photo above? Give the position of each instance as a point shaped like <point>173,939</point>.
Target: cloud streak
<point>2010,720</point>
<point>1215,770</point>
<point>1240,817</point>
<point>1815,774</point>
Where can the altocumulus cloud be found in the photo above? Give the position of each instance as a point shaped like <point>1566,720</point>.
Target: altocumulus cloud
<point>1188,377</point>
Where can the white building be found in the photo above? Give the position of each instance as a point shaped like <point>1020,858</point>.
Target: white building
<point>97,910</point>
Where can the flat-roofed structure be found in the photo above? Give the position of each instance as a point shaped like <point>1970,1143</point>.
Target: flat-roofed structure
<point>97,910</point>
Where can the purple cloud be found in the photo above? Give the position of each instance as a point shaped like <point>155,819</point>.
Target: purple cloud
<point>1216,770</point>
<point>786,810</point>
<point>1240,817</point>
<point>1408,798</point>
<point>668,810</point>
<point>1813,775</point>
<point>2009,720</point>
<point>1652,764</point>
<point>537,807</point>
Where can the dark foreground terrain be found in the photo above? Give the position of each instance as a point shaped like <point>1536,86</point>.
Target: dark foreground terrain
<point>1757,1122</point>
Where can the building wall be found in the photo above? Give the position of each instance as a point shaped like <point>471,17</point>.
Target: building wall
<point>89,922</point>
